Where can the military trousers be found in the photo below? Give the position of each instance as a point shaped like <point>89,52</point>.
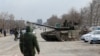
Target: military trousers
<point>29,54</point>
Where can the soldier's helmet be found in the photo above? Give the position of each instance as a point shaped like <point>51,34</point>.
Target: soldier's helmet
<point>29,29</point>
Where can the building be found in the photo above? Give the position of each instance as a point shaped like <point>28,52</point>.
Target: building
<point>39,21</point>
<point>91,14</point>
<point>96,13</point>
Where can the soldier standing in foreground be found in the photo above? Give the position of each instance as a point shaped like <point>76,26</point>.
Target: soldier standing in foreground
<point>28,43</point>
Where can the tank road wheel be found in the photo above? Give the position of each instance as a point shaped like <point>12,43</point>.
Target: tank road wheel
<point>60,36</point>
<point>64,37</point>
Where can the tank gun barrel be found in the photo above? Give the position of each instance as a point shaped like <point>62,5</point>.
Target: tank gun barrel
<point>41,25</point>
<point>61,28</point>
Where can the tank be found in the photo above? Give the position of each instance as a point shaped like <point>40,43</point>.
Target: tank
<point>57,34</point>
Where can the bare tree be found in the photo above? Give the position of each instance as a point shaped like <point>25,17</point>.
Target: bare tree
<point>73,16</point>
<point>12,21</point>
<point>7,21</point>
<point>53,20</point>
<point>85,16</point>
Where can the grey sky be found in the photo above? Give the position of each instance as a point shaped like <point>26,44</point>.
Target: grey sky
<point>32,10</point>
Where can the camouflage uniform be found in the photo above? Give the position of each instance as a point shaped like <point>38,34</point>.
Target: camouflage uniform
<point>28,43</point>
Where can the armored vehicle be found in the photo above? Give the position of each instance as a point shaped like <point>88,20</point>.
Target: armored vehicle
<point>57,34</point>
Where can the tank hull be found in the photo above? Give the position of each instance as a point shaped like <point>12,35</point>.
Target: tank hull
<point>54,36</point>
<point>49,36</point>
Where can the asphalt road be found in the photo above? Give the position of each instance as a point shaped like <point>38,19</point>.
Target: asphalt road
<point>9,47</point>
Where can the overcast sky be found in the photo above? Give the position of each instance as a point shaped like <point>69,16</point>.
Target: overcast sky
<point>32,10</point>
